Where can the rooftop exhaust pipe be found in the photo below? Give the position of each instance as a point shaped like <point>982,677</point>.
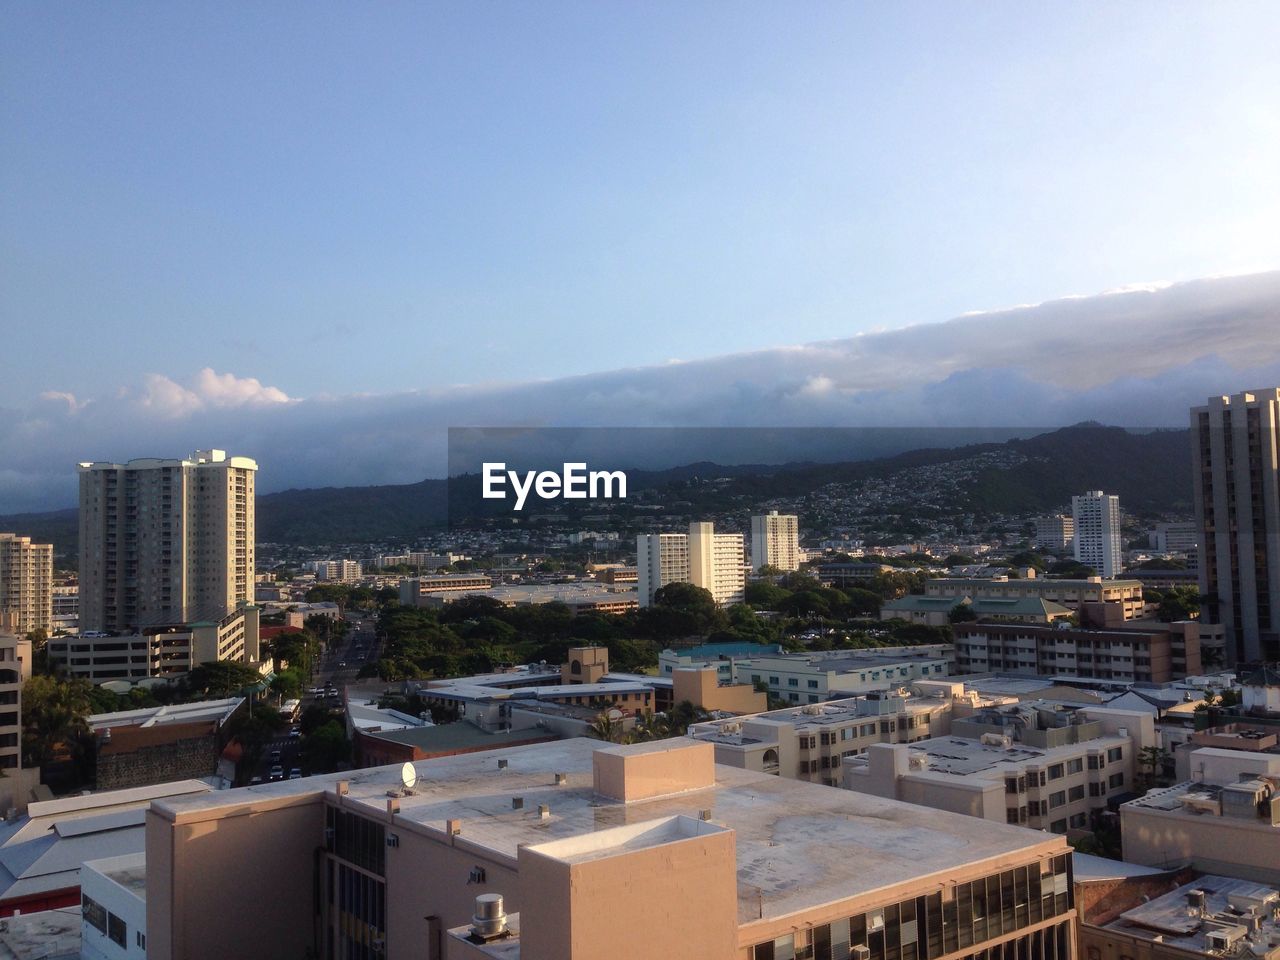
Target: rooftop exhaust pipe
<point>490,920</point>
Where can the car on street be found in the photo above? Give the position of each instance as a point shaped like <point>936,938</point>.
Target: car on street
<point>295,773</point>
<point>277,772</point>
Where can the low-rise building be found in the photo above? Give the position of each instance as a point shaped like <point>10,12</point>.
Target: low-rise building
<point>167,651</point>
<point>1069,593</point>
<point>1226,820</point>
<point>138,748</point>
<point>936,611</point>
<point>574,851</point>
<point>1041,765</point>
<point>1150,653</point>
<point>1154,917</point>
<point>814,677</point>
<point>415,591</point>
<point>809,742</point>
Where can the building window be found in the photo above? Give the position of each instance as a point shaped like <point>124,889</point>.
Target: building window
<point>1057,799</point>
<point>1116,781</point>
<point>793,682</point>
<point>1076,793</point>
<point>1056,771</point>
<point>813,684</point>
<point>117,931</point>
<point>1075,766</point>
<point>94,913</point>
<point>1115,754</point>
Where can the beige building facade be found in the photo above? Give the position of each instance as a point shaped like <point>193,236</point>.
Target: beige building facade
<point>1069,593</point>
<point>165,542</point>
<point>713,561</point>
<point>775,541</point>
<point>26,585</point>
<point>572,851</point>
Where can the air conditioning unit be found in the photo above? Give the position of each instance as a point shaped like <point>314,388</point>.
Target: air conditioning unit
<point>859,952</point>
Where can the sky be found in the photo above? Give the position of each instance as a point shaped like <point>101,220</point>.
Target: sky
<point>269,222</point>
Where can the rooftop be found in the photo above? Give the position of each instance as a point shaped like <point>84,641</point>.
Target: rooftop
<point>203,710</point>
<point>798,845</point>
<point>1175,921</point>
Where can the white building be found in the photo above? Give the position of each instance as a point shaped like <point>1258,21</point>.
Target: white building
<point>775,541</point>
<point>336,571</point>
<point>702,557</point>
<point>1097,531</point>
<point>1175,537</point>
<point>165,541</point>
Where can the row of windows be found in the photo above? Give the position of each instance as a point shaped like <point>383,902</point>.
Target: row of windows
<point>356,840</point>
<point>926,927</point>
<point>107,923</point>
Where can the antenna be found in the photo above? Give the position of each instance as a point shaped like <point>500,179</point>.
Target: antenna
<point>408,776</point>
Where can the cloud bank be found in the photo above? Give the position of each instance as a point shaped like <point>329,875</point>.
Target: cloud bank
<point>1136,357</point>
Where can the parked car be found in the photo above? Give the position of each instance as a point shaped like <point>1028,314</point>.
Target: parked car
<point>295,773</point>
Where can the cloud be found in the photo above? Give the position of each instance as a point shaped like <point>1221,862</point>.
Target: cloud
<point>1137,357</point>
<point>206,390</point>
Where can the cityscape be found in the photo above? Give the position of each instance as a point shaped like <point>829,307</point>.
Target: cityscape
<point>597,544</point>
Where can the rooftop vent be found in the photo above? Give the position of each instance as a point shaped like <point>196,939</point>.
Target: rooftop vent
<point>502,764</point>
<point>490,920</point>
<point>561,779</point>
<point>544,812</point>
<point>517,803</point>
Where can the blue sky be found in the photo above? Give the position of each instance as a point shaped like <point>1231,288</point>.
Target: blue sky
<point>320,234</point>
<point>338,200</point>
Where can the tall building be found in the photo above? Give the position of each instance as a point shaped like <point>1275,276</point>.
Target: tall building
<point>702,557</point>
<point>165,541</point>
<point>26,585</point>
<point>1181,537</point>
<point>775,541</point>
<point>1099,545</point>
<point>1055,533</point>
<point>1235,443</point>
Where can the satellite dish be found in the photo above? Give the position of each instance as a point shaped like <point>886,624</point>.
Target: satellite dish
<point>408,776</point>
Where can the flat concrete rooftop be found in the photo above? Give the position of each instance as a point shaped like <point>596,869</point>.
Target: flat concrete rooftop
<point>962,757</point>
<point>799,845</point>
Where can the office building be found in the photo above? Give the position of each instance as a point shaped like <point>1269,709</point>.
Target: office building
<point>1055,533</point>
<point>418,591</point>
<point>775,541</point>
<point>936,611</point>
<point>1235,442</point>
<point>66,608</point>
<point>713,561</point>
<point>1098,541</point>
<point>577,851</point>
<point>26,585</point>
<point>165,542</point>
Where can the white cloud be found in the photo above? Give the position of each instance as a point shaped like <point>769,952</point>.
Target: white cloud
<point>207,389</point>
<point>1139,358</point>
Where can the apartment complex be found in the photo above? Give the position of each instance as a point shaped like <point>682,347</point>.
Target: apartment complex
<point>26,585</point>
<point>1098,540</point>
<point>1036,763</point>
<point>713,561</point>
<point>1135,652</point>
<point>1235,445</point>
<point>337,571</point>
<point>809,742</point>
<point>165,542</point>
<point>577,851</point>
<point>1055,533</point>
<point>1070,593</point>
<point>775,541</point>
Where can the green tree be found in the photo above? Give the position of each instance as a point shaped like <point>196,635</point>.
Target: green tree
<point>54,715</point>
<point>962,613</point>
<point>328,747</point>
<point>1179,603</point>
<point>221,678</point>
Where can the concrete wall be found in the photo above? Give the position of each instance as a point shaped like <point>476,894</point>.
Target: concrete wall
<point>228,879</point>
<point>1249,849</point>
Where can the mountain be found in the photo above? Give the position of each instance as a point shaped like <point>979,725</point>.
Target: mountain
<point>1150,471</point>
